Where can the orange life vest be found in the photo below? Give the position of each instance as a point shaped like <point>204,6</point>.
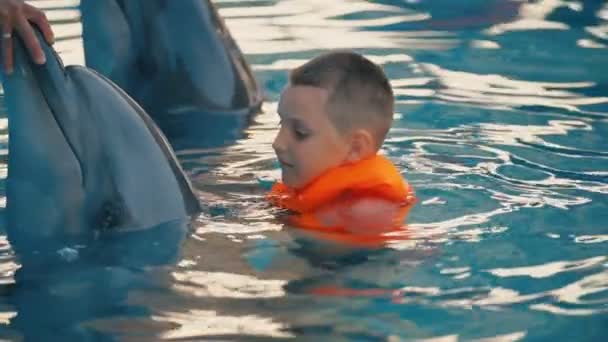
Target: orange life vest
<point>375,177</point>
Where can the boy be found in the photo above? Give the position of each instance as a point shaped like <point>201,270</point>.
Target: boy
<point>335,113</point>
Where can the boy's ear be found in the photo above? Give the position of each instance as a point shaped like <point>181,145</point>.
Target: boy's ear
<point>362,145</point>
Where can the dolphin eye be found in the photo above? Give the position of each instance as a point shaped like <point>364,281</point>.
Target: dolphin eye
<point>111,215</point>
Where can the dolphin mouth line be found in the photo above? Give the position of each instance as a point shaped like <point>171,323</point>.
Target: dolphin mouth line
<point>51,108</point>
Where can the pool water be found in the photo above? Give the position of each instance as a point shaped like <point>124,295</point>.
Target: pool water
<point>501,125</point>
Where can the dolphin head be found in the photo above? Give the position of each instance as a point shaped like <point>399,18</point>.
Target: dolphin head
<point>83,157</point>
<point>178,60</point>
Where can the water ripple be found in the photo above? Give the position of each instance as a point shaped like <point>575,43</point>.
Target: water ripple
<point>496,91</point>
<point>549,269</point>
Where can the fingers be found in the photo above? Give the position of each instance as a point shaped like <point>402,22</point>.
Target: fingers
<point>26,32</point>
<point>16,15</point>
<point>7,46</point>
<point>39,18</point>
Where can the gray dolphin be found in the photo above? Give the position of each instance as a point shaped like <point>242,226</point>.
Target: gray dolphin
<point>83,158</point>
<point>173,57</point>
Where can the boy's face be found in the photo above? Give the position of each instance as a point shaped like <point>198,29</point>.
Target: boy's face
<point>307,143</point>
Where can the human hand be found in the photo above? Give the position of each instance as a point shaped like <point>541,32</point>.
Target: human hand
<point>15,15</point>
<point>367,216</point>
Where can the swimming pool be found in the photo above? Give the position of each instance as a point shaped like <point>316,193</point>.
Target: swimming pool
<point>502,113</point>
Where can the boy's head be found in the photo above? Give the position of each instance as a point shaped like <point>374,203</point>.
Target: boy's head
<point>336,109</point>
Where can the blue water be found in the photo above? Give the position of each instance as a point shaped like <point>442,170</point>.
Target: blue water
<point>502,118</point>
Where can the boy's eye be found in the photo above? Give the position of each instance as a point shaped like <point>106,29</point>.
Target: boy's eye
<point>300,134</point>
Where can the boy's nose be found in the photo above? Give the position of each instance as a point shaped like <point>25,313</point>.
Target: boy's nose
<point>278,144</point>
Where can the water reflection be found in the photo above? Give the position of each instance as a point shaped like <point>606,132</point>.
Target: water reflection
<point>532,16</point>
<point>227,285</point>
<point>198,323</point>
<point>496,91</point>
<point>549,269</point>
<point>295,26</point>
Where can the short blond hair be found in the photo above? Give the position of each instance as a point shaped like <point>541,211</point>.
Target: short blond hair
<point>360,95</point>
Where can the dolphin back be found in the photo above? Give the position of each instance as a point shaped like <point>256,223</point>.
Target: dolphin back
<point>83,157</point>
